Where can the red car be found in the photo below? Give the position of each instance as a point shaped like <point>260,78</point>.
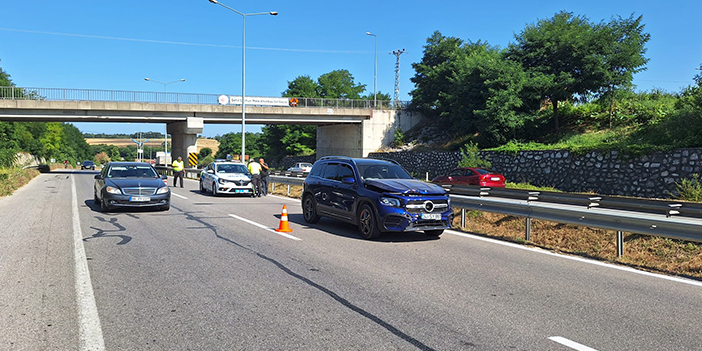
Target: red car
<point>472,176</point>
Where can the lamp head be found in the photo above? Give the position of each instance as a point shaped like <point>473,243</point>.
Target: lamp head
<point>147,79</point>
<point>274,13</point>
<point>213,1</point>
<point>182,80</point>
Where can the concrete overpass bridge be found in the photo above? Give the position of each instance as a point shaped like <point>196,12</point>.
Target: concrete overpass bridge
<point>344,127</point>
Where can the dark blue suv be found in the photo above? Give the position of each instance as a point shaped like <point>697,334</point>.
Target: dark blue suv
<point>377,195</point>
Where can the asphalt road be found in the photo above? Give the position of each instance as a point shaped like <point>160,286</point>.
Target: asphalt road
<point>212,274</point>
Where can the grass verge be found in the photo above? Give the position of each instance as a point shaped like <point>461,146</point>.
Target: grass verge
<point>12,179</point>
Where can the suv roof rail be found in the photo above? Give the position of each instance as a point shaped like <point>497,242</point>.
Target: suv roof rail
<point>336,157</point>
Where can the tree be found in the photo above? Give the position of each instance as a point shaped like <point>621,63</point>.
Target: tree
<point>339,84</point>
<point>567,58</point>
<point>204,152</point>
<point>230,143</point>
<point>302,86</point>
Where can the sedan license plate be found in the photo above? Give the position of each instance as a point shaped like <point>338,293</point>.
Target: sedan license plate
<point>495,179</point>
<point>436,216</point>
<point>139,199</point>
<point>241,191</point>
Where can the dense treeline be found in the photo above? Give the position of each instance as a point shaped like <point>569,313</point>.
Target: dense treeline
<point>562,78</point>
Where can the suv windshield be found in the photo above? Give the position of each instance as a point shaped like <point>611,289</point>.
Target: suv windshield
<point>382,171</point>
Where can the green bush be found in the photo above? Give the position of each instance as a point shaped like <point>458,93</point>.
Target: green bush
<point>471,157</point>
<point>690,189</point>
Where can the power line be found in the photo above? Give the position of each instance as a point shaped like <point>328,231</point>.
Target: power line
<point>180,43</point>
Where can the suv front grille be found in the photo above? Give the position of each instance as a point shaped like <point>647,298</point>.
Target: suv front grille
<point>422,206</point>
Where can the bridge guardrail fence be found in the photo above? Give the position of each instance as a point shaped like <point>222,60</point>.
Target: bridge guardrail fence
<point>667,218</point>
<point>63,94</point>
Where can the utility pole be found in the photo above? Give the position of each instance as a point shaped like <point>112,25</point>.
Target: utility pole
<point>397,53</point>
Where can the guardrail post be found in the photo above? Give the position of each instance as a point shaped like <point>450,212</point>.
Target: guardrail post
<point>273,187</point>
<point>288,189</point>
<point>463,218</point>
<point>528,229</point>
<point>620,243</point>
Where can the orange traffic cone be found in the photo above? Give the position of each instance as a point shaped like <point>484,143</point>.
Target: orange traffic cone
<point>283,227</point>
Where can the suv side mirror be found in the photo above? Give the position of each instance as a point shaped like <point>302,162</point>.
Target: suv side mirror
<point>348,180</point>
<point>98,176</point>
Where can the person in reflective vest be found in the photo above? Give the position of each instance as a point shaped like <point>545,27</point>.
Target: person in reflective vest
<point>178,171</point>
<point>255,170</point>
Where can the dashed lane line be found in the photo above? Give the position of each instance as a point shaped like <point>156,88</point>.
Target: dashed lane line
<point>570,343</point>
<point>264,227</point>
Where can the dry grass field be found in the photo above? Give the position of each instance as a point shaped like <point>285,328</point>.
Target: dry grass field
<point>201,143</point>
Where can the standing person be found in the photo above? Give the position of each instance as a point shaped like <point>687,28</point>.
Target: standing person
<point>264,175</point>
<point>255,170</point>
<point>65,164</point>
<point>178,171</point>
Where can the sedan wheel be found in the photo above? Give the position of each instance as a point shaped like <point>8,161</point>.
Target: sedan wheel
<point>309,211</point>
<point>214,189</point>
<point>202,188</point>
<point>367,224</point>
<point>103,206</point>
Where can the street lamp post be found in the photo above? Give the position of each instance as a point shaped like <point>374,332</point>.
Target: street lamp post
<point>243,69</point>
<point>165,136</point>
<point>375,71</point>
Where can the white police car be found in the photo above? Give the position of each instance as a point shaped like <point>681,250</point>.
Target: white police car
<point>226,178</point>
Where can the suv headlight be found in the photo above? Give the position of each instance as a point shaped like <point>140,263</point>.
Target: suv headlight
<point>390,201</point>
<point>113,190</point>
<point>162,190</point>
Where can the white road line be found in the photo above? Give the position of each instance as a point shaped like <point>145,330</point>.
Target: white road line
<point>264,227</point>
<point>579,259</point>
<point>284,197</point>
<point>89,321</point>
<point>570,343</point>
<point>180,196</point>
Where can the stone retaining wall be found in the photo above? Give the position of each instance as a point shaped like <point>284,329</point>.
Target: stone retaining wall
<point>605,173</point>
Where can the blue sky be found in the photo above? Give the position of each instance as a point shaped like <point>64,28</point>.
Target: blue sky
<point>114,45</point>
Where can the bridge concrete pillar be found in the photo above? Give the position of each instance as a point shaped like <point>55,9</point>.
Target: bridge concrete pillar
<point>184,136</point>
<point>373,134</point>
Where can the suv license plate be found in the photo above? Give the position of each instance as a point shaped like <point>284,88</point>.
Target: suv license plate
<point>436,216</point>
<point>139,199</point>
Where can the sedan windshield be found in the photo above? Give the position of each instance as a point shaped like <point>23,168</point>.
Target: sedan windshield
<point>232,169</point>
<point>132,171</point>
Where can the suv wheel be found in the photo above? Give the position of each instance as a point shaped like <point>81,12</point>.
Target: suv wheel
<point>367,224</point>
<point>436,232</point>
<point>309,211</point>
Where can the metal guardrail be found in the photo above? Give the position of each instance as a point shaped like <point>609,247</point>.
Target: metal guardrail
<point>666,218</point>
<point>62,94</point>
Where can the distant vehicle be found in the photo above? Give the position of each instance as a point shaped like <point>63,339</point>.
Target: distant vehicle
<point>88,165</point>
<point>131,184</point>
<point>376,195</point>
<point>226,178</point>
<point>472,176</point>
<point>301,167</point>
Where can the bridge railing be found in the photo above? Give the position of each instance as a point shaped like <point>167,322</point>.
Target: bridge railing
<point>63,94</point>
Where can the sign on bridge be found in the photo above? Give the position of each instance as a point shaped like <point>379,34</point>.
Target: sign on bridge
<point>253,100</point>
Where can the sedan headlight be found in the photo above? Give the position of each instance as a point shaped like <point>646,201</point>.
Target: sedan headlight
<point>390,201</point>
<point>221,181</point>
<point>113,190</point>
<point>162,190</point>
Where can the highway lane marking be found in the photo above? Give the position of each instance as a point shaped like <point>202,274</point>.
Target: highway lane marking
<point>264,227</point>
<point>570,343</point>
<point>579,259</point>
<point>89,322</point>
<point>180,196</point>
